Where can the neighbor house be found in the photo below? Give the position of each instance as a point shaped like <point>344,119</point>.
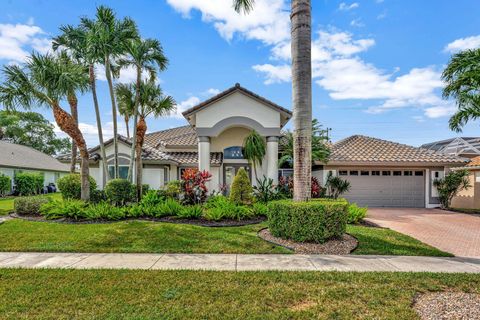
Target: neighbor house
<point>381,173</point>
<point>15,158</point>
<point>470,198</point>
<point>467,147</point>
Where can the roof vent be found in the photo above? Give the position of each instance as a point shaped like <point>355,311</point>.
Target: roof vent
<point>237,85</point>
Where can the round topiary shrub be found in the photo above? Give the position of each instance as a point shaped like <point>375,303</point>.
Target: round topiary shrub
<point>241,191</point>
<point>5,185</point>
<point>71,187</point>
<point>120,192</point>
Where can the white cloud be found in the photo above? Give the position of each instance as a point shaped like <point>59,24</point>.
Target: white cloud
<point>211,92</point>
<point>463,44</point>
<point>345,7</point>
<point>90,132</point>
<point>274,74</point>
<point>382,15</point>
<point>357,23</point>
<point>17,40</point>
<point>440,111</point>
<point>185,105</point>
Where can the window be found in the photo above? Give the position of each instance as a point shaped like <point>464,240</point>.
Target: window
<point>165,175</point>
<point>364,173</point>
<point>407,173</point>
<point>437,174</point>
<point>285,173</point>
<point>397,173</point>
<point>386,173</point>
<point>419,173</point>
<point>233,153</point>
<point>122,171</point>
<point>343,173</point>
<point>375,173</point>
<point>354,173</point>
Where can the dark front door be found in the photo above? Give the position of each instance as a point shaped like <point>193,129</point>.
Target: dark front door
<point>229,172</point>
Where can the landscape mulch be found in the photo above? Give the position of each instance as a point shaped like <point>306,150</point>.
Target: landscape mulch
<point>448,305</point>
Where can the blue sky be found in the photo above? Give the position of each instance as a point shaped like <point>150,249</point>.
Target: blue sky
<point>377,64</point>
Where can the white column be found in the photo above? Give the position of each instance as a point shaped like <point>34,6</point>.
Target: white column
<point>272,159</point>
<point>204,153</point>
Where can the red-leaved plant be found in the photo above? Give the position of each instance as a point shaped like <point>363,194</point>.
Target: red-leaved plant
<point>194,184</point>
<point>285,186</point>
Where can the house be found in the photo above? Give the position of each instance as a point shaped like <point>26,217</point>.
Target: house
<point>381,173</point>
<point>470,198</point>
<point>16,158</point>
<point>467,147</point>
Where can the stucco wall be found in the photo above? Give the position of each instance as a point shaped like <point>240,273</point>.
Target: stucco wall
<point>228,138</point>
<point>470,198</point>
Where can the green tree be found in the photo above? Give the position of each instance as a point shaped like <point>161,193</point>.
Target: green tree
<point>45,80</point>
<point>254,149</point>
<point>449,186</point>
<point>301,42</point>
<point>33,130</point>
<point>241,191</point>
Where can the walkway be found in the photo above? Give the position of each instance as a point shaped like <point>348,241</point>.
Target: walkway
<point>237,262</point>
<point>453,232</point>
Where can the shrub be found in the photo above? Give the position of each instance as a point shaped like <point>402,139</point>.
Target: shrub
<point>285,188</point>
<point>70,186</point>
<point>449,186</point>
<point>356,213</point>
<point>29,205</point>
<point>151,199</point>
<point>28,183</point>
<point>313,221</point>
<point>173,189</point>
<point>191,212</point>
<point>104,211</point>
<point>194,186</point>
<point>265,191</point>
<point>214,214</point>
<point>240,212</point>
<point>5,185</point>
<point>134,211</point>
<point>97,196</point>
<point>241,191</point>
<point>336,186</point>
<point>68,208</point>
<point>260,209</point>
<point>120,192</point>
<point>220,207</point>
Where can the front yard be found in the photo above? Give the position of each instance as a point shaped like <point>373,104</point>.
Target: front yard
<point>120,294</point>
<point>6,205</point>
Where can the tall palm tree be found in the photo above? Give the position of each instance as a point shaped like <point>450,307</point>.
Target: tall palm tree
<point>301,34</point>
<point>462,82</point>
<point>46,80</point>
<point>142,55</point>
<point>152,102</point>
<point>109,38</point>
<point>74,39</point>
<point>125,110</point>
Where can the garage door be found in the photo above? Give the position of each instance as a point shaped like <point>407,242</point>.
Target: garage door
<point>386,188</point>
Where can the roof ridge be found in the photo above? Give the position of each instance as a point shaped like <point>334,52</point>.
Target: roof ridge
<point>165,130</point>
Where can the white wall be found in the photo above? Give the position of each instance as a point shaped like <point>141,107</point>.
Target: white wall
<point>153,177</point>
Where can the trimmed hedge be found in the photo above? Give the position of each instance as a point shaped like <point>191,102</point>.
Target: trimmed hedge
<point>71,186</point>
<point>314,221</point>
<point>29,205</point>
<point>5,185</point>
<point>119,192</point>
<point>28,183</point>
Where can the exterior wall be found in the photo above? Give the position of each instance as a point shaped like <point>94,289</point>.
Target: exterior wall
<point>229,138</point>
<point>153,177</point>
<point>49,176</point>
<point>469,199</point>
<point>216,181</point>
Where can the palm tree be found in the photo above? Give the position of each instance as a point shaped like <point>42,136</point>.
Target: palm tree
<point>74,39</point>
<point>254,149</point>
<point>462,82</point>
<point>46,80</point>
<point>301,34</point>
<point>109,38</point>
<point>125,109</point>
<point>142,55</point>
<point>152,102</point>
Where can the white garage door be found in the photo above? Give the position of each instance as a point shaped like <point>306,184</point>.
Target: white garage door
<point>385,188</point>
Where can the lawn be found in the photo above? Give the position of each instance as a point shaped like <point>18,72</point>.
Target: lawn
<point>120,294</point>
<point>6,205</point>
<point>136,236</point>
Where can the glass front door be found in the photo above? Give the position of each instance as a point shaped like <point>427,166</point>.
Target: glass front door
<point>229,172</point>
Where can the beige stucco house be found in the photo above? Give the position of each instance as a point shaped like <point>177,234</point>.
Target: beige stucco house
<point>470,198</point>
<point>382,173</point>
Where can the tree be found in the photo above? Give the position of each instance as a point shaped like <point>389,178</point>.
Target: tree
<point>152,102</point>
<point>320,149</point>
<point>241,191</point>
<point>142,55</point>
<point>462,82</point>
<point>301,39</point>
<point>109,39</point>
<point>74,39</point>
<point>126,111</point>
<point>33,130</point>
<point>46,80</point>
<point>449,186</point>
<point>254,149</point>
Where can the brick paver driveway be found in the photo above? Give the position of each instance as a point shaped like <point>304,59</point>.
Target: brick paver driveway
<point>452,232</point>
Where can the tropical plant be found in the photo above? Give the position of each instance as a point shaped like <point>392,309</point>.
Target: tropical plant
<point>336,186</point>
<point>125,108</point>
<point>173,189</point>
<point>46,80</point>
<point>194,185</point>
<point>317,190</point>
<point>71,186</point>
<point>104,211</point>
<point>5,185</point>
<point>265,190</point>
<point>462,82</point>
<point>254,149</point>
<point>285,188</point>
<point>241,191</point>
<point>356,213</point>
<point>190,212</point>
<point>119,192</point>
<point>449,186</point>
<point>28,183</point>
<point>151,198</point>
<point>260,209</point>
<point>301,43</point>
<point>70,209</point>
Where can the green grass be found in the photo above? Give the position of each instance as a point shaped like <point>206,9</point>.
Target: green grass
<point>122,294</point>
<point>136,236</point>
<point>6,205</point>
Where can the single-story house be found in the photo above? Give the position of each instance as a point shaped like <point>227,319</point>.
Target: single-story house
<point>470,198</point>
<point>381,173</point>
<point>15,158</point>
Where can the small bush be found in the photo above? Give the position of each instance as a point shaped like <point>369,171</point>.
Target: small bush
<point>172,207</point>
<point>313,221</point>
<point>265,191</point>
<point>69,208</point>
<point>220,207</point>
<point>120,192</point>
<point>356,213</point>
<point>194,186</point>
<point>240,213</point>
<point>214,214</point>
<point>173,189</point>
<point>134,211</point>
<point>97,196</point>
<point>28,183</point>
<point>5,185</point>
<point>29,205</point>
<point>260,209</point>
<point>241,191</point>
<point>104,211</point>
<point>71,187</point>
<point>190,212</point>
<point>151,198</point>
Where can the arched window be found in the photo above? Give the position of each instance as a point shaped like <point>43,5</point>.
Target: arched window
<point>233,153</point>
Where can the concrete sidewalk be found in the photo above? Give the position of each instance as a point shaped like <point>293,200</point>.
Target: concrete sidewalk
<point>237,262</point>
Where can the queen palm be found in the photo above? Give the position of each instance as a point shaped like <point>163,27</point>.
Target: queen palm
<point>152,102</point>
<point>142,55</point>
<point>108,40</point>
<point>462,82</point>
<point>44,81</point>
<point>126,111</point>
<point>301,34</point>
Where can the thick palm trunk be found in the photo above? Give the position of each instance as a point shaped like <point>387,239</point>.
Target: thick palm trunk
<point>135,120</point>
<point>141,130</point>
<point>73,102</point>
<point>302,97</point>
<point>103,154</point>
<point>108,74</point>
<point>67,124</point>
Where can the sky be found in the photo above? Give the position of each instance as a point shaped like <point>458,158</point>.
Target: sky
<point>377,64</point>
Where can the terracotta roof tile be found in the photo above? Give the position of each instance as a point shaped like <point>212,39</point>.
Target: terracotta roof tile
<point>475,162</point>
<point>192,157</point>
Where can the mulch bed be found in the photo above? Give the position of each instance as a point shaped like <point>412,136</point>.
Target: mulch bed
<point>343,246</point>
<point>195,222</point>
<point>448,305</point>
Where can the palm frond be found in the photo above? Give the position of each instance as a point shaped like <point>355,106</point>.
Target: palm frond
<point>244,6</point>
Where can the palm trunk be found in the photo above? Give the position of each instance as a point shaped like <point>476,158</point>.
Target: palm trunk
<point>99,124</point>
<point>67,124</point>
<point>141,130</point>
<point>108,74</point>
<point>127,120</point>
<point>73,102</point>
<point>302,98</point>
<point>135,123</point>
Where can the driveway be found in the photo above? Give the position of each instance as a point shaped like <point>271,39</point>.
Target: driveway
<point>452,232</point>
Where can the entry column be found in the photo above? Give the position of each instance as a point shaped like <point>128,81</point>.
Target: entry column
<point>204,155</point>
<point>272,158</point>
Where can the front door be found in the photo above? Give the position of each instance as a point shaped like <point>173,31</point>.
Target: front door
<point>229,172</point>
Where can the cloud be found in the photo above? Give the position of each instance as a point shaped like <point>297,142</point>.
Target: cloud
<point>274,74</point>
<point>357,23</point>
<point>127,75</point>
<point>17,40</point>
<point>211,92</point>
<point>463,44</point>
<point>90,132</point>
<point>440,111</point>
<point>346,7</point>
<point>185,105</point>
